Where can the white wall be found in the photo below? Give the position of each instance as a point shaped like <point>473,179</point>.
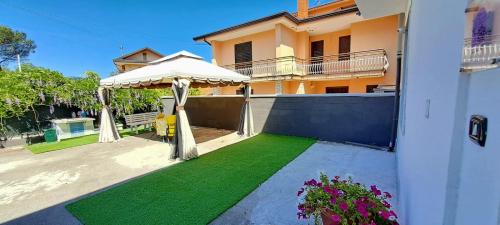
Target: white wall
<point>443,177</point>
<point>479,189</point>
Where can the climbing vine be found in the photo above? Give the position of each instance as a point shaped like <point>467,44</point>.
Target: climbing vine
<point>22,91</point>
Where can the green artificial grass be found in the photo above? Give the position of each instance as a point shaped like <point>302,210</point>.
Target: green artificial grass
<point>74,142</point>
<point>195,191</point>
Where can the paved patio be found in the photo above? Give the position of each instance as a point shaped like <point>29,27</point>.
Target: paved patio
<point>275,201</point>
<point>35,188</point>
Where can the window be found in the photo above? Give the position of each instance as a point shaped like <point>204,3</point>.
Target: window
<point>123,67</point>
<point>316,57</point>
<point>344,47</point>
<point>243,57</point>
<point>371,88</point>
<point>336,90</point>
<point>144,56</point>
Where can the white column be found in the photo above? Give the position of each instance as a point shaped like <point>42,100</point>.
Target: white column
<point>300,89</point>
<point>278,87</point>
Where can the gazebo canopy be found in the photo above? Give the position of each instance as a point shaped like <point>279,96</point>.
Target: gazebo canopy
<point>181,70</point>
<point>180,65</point>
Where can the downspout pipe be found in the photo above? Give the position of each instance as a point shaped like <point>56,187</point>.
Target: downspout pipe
<point>208,43</point>
<point>397,94</point>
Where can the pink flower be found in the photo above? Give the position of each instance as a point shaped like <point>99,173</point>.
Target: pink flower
<point>300,192</point>
<point>301,207</point>
<point>335,219</point>
<point>312,182</point>
<point>387,194</point>
<point>332,191</point>
<point>393,214</point>
<point>361,208</point>
<point>301,216</point>
<point>343,206</point>
<point>375,190</point>
<point>386,204</point>
<point>384,214</point>
<point>362,211</point>
<point>333,200</point>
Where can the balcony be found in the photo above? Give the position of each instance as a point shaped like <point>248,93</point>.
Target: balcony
<point>481,53</point>
<point>371,63</point>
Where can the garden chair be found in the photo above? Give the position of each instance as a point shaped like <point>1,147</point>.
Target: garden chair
<point>171,126</point>
<point>161,125</point>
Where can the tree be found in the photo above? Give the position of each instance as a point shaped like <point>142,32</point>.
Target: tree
<point>13,43</point>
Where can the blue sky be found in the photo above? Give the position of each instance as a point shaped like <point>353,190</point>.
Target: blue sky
<point>76,36</point>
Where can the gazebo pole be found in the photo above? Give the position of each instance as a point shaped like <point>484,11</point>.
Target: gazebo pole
<point>246,118</point>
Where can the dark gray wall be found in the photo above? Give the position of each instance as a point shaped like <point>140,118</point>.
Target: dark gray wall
<point>218,112</point>
<point>364,118</point>
<point>27,122</point>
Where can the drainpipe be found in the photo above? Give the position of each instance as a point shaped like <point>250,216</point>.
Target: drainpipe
<point>208,43</point>
<point>397,94</point>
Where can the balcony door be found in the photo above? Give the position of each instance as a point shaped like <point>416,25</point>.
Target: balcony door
<point>317,51</point>
<point>344,47</point>
<point>243,58</point>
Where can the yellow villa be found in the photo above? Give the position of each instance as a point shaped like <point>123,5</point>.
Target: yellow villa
<point>328,48</point>
<point>136,59</point>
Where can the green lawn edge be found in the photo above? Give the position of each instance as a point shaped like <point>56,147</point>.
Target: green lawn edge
<point>74,142</point>
<point>222,179</point>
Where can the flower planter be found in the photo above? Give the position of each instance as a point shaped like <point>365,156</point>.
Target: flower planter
<point>340,200</point>
<point>326,217</point>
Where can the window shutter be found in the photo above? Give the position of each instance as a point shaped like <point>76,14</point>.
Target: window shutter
<point>243,52</point>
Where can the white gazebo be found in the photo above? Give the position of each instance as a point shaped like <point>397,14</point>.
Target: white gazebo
<point>180,71</point>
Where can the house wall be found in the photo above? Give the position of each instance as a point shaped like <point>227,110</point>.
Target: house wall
<point>378,33</point>
<point>444,178</point>
<point>365,118</point>
<point>331,41</point>
<point>129,67</point>
<point>150,56</point>
<point>263,47</point>
<point>285,41</point>
<point>330,7</point>
<point>373,34</point>
<point>479,169</point>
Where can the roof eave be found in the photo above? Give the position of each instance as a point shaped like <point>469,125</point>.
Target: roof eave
<point>140,50</point>
<point>257,21</point>
<point>278,15</point>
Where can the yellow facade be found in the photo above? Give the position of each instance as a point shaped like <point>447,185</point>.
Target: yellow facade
<point>283,40</point>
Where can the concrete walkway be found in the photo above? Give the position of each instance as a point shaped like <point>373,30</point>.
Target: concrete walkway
<point>275,201</point>
<point>35,188</point>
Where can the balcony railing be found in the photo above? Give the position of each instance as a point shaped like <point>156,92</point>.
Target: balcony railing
<point>355,64</point>
<point>481,53</point>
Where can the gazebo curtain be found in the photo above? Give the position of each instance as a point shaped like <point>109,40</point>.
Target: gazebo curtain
<point>107,130</point>
<point>185,146</point>
<point>246,119</point>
